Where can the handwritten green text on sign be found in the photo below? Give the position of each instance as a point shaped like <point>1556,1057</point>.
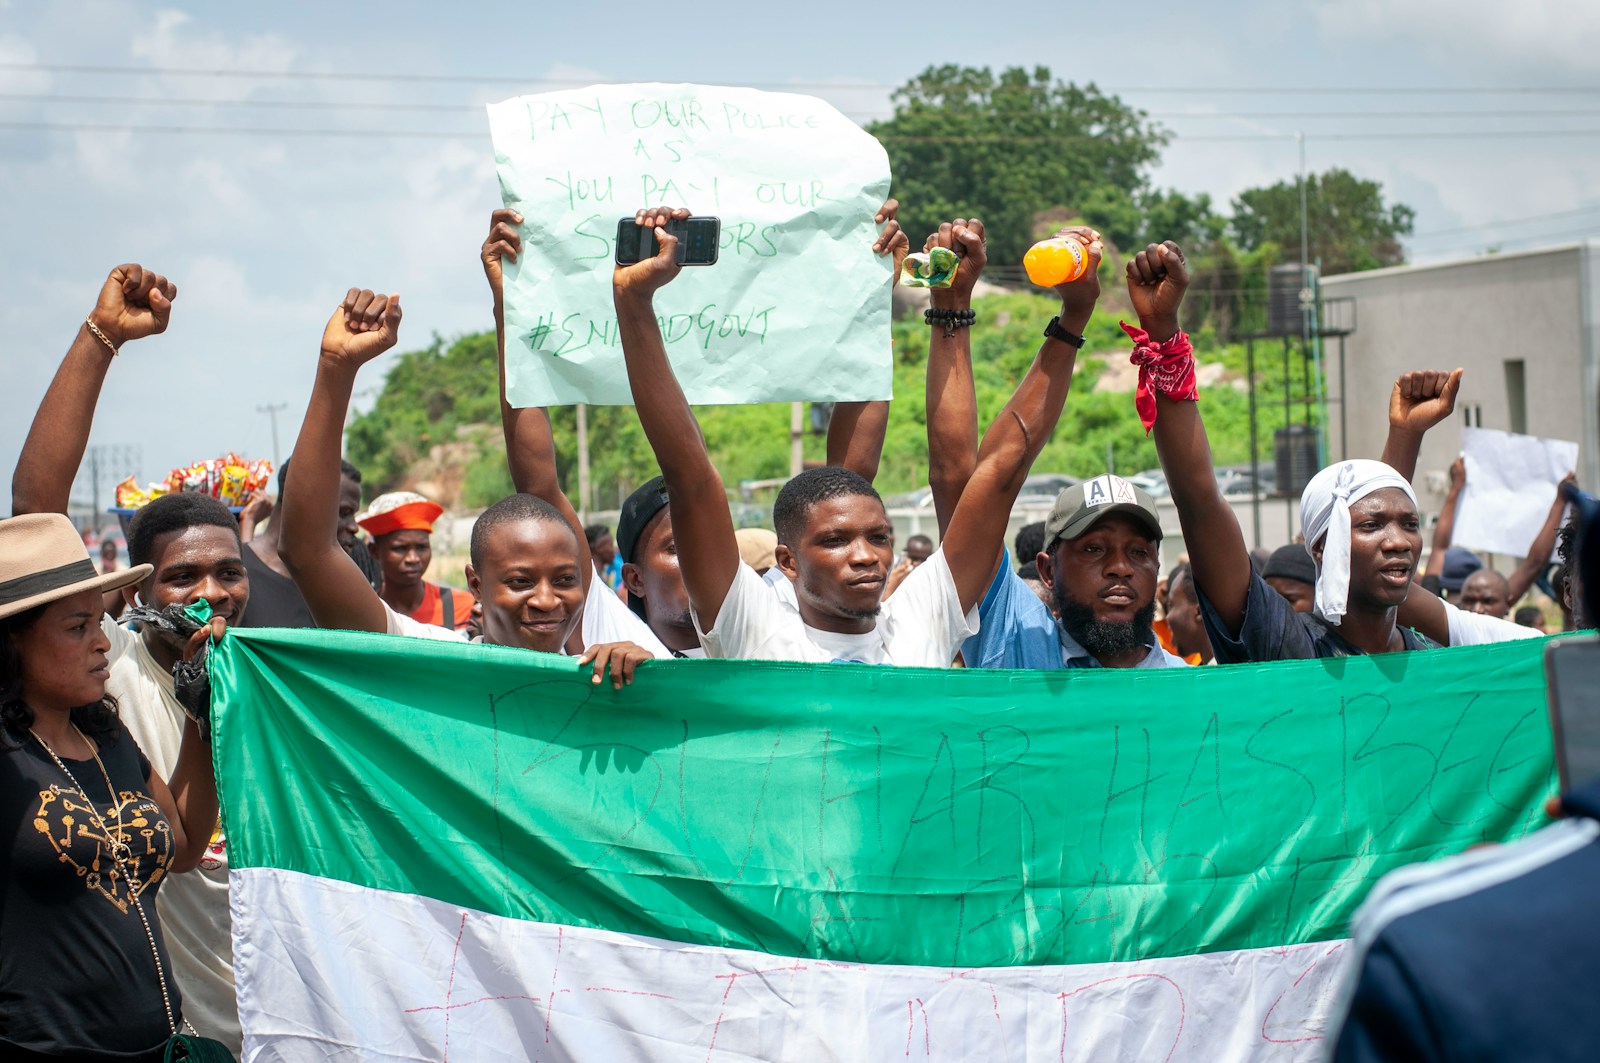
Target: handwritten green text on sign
<point>797,306</point>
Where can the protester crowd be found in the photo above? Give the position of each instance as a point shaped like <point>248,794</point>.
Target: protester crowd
<point>114,910</point>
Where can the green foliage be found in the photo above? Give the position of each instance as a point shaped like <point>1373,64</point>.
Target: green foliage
<point>440,395</point>
<point>1348,224</point>
<point>427,395</point>
<point>965,143</point>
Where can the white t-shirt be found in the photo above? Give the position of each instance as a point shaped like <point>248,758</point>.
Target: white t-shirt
<point>1475,629</point>
<point>921,626</point>
<point>193,906</point>
<point>606,618</point>
<point>782,586</point>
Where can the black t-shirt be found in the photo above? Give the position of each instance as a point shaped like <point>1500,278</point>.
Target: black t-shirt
<point>1273,631</point>
<point>76,974</point>
<point>275,601</point>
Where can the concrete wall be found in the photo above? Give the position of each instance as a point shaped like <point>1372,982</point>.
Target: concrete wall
<point>1536,306</point>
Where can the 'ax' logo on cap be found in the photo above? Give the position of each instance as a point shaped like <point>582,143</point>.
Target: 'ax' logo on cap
<point>1109,490</point>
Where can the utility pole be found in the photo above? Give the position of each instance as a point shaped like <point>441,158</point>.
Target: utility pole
<point>272,410</point>
<point>94,486</point>
<point>584,502</point>
<point>104,460</point>
<point>797,438</point>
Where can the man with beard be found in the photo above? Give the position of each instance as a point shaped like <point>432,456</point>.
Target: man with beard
<point>1100,564</point>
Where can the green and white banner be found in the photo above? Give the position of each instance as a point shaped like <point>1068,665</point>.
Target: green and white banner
<point>445,851</point>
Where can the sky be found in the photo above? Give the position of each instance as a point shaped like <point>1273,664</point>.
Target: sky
<point>268,157</point>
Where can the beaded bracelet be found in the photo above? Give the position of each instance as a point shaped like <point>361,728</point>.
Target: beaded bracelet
<point>951,319</point>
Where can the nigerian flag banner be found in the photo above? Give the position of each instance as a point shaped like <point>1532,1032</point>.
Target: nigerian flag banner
<point>453,852</point>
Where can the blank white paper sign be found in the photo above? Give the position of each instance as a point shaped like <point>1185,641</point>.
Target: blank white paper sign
<point>1511,485</point>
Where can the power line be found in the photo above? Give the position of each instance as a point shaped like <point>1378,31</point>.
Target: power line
<point>477,108</point>
<point>365,134</point>
<point>997,138</point>
<point>1509,221</point>
<point>286,105</point>
<point>482,79</point>
<point>1544,113</point>
<point>312,75</point>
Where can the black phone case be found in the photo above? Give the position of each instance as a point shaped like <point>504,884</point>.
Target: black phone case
<point>700,233</point>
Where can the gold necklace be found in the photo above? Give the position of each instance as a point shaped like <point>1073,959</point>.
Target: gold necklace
<point>119,851</point>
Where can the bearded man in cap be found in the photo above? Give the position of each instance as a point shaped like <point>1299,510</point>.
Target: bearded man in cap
<point>1100,563</point>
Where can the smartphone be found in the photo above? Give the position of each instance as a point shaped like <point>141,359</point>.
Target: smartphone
<point>699,239</point>
<point>1572,674</point>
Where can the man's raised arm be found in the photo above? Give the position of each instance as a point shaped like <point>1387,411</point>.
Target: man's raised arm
<point>708,552</point>
<point>530,441</point>
<point>1157,279</point>
<point>363,327</point>
<point>134,302</point>
<point>1543,545</point>
<point>972,544</point>
<point>1444,528</point>
<point>856,430</point>
<point>951,398</point>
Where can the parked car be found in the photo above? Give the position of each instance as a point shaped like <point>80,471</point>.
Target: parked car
<point>1152,482</point>
<point>1042,488</point>
<point>1236,481</point>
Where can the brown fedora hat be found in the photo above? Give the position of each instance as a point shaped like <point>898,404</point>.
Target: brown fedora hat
<point>42,560</point>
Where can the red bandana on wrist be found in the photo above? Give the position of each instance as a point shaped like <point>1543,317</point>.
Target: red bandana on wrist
<point>1165,367</point>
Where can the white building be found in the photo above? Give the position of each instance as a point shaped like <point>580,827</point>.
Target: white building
<point>1525,326</point>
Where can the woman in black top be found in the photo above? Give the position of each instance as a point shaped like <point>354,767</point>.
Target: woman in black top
<point>87,831</point>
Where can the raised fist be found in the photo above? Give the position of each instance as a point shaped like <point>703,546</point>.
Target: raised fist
<point>363,327</point>
<point>1157,279</point>
<point>1422,399</point>
<point>133,303</point>
<point>966,238</point>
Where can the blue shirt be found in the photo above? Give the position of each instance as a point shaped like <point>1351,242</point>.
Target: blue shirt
<point>1017,631</point>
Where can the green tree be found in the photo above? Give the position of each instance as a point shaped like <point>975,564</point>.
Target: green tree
<point>1349,225</point>
<point>964,142</point>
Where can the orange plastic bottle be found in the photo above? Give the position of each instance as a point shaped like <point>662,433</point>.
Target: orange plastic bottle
<point>1056,261</point>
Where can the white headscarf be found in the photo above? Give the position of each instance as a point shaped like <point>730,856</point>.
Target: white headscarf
<point>1325,508</point>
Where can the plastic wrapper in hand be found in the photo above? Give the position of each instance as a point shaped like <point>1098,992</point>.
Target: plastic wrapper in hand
<point>191,679</point>
<point>931,269</point>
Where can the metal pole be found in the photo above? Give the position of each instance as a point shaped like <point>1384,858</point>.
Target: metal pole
<point>583,463</point>
<point>1288,420</point>
<point>1255,463</point>
<point>797,438</point>
<point>94,479</point>
<point>271,410</point>
<point>1344,408</point>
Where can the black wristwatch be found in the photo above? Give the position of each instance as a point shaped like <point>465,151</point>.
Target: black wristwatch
<point>1056,332</point>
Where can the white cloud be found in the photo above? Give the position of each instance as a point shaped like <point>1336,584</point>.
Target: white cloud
<point>1481,37</point>
<point>15,50</point>
<point>171,40</point>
